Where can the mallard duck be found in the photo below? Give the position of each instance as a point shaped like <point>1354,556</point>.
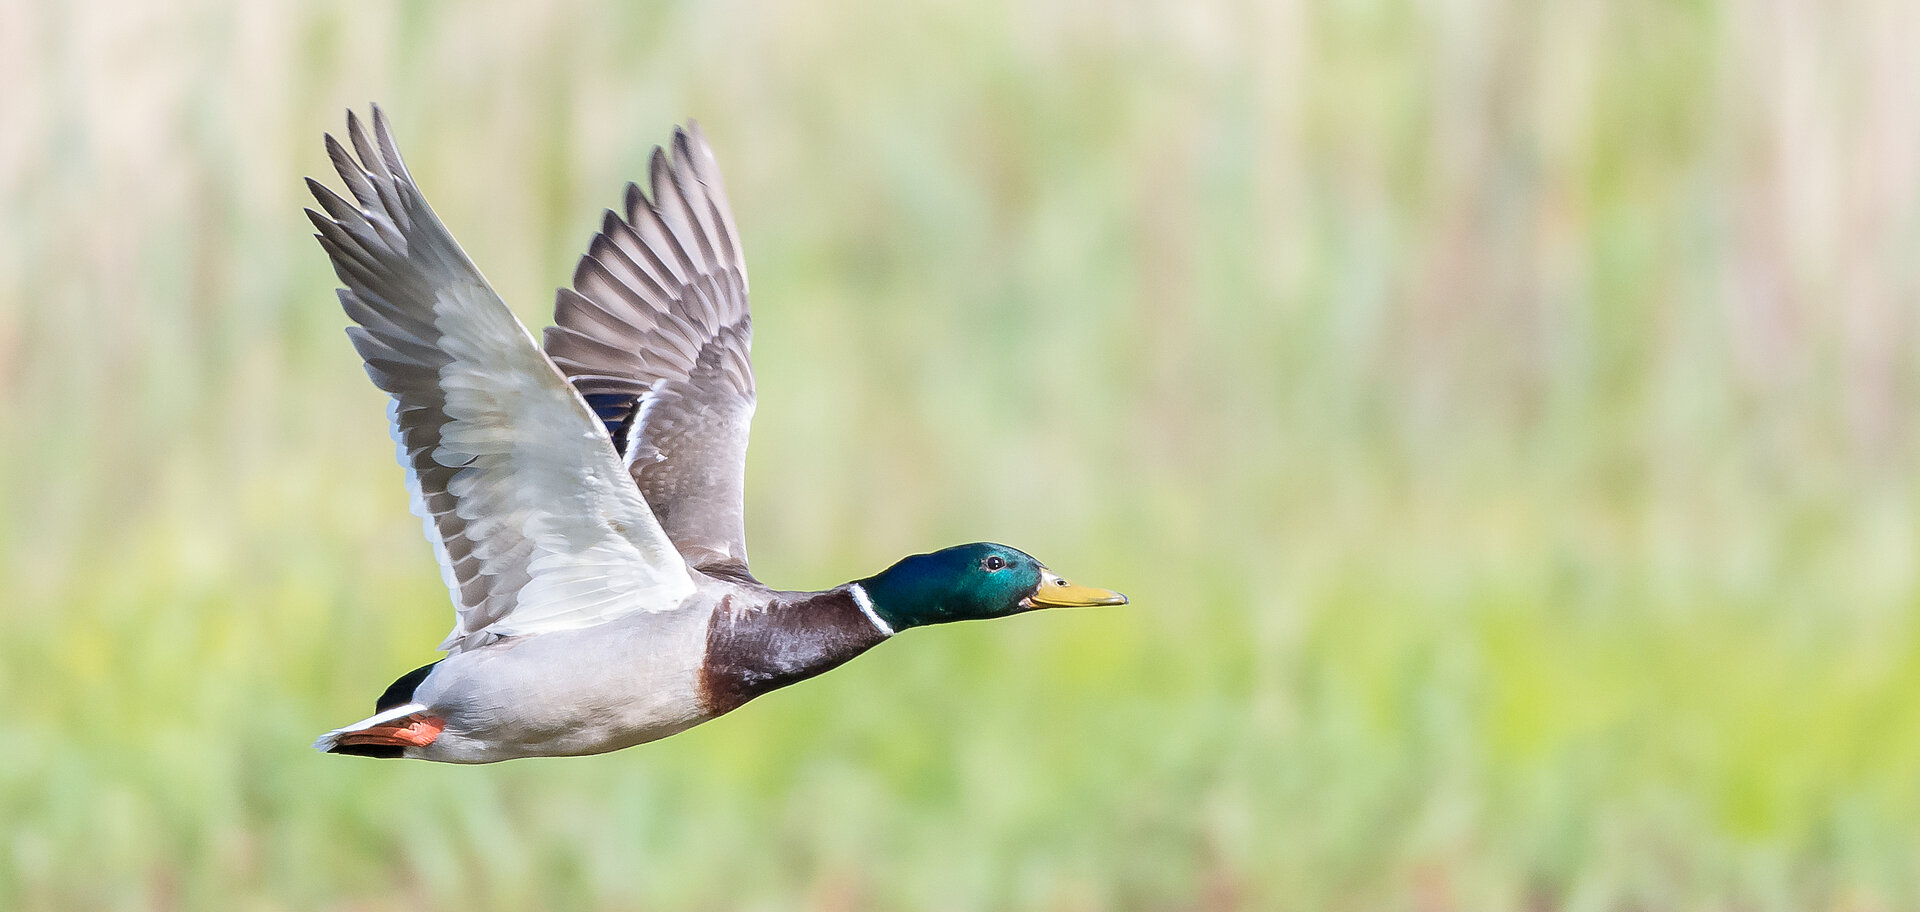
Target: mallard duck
<point>584,498</point>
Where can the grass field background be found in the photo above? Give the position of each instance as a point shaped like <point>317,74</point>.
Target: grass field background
<point>1501,413</point>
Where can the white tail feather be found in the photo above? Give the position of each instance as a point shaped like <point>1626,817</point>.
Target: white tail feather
<point>330,740</point>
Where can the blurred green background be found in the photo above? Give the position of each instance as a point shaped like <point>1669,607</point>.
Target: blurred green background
<point>1501,413</point>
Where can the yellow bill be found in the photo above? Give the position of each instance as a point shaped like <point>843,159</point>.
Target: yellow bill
<point>1057,592</point>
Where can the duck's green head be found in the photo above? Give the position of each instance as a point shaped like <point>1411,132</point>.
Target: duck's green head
<point>972,582</point>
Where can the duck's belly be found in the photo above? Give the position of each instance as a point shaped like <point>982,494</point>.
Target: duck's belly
<point>569,693</point>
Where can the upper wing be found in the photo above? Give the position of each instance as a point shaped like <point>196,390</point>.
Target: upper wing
<point>536,523</point>
<point>655,333</point>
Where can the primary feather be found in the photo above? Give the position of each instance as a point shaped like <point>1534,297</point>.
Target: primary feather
<point>655,333</point>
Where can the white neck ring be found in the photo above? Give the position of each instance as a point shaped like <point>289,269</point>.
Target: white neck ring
<point>865,602</point>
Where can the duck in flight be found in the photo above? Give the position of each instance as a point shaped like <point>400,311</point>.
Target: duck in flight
<point>584,498</point>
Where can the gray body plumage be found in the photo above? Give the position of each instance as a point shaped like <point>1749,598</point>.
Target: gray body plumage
<point>569,693</point>
<point>629,681</point>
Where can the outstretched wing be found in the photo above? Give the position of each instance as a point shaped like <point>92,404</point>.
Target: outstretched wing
<point>655,334</point>
<point>535,521</point>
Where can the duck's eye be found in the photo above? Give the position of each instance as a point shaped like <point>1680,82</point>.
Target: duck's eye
<point>995,563</point>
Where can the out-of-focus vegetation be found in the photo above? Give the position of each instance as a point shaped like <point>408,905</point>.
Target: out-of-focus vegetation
<point>1502,414</point>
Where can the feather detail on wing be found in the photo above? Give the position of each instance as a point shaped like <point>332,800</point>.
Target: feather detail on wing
<point>655,335</point>
<point>535,521</point>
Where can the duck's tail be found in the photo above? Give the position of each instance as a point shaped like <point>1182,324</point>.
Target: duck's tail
<point>397,723</point>
<point>384,734</point>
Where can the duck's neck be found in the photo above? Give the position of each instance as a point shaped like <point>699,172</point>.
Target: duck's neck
<point>752,651</point>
